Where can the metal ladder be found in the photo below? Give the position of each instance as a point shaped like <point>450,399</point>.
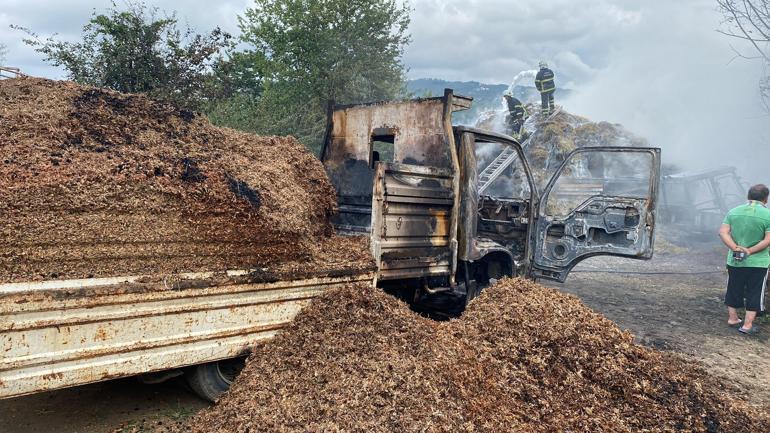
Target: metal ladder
<point>9,72</point>
<point>496,168</point>
<point>506,158</point>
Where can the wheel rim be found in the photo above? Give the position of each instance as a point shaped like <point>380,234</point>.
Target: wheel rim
<point>228,369</point>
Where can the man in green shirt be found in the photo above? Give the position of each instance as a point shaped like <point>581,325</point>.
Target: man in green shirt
<point>746,231</point>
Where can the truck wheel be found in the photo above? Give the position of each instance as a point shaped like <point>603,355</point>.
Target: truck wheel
<point>211,380</point>
<point>495,270</point>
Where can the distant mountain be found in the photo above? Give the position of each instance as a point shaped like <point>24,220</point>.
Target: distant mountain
<point>435,87</point>
<point>485,96</point>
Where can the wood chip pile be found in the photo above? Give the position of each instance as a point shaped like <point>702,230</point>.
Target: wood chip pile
<point>97,183</point>
<point>523,358</point>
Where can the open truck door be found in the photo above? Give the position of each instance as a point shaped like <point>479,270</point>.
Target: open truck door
<point>601,201</point>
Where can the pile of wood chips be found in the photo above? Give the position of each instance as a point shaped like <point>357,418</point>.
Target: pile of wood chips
<point>96,183</point>
<point>523,358</point>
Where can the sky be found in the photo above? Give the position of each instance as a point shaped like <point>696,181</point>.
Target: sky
<point>657,66</point>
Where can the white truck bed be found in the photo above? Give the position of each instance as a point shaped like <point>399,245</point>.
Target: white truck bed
<point>56,334</point>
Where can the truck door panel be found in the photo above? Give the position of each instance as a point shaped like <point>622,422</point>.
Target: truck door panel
<point>601,201</point>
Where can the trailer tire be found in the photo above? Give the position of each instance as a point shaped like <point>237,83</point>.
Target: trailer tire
<point>211,380</point>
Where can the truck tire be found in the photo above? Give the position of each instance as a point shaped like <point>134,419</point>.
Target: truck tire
<point>211,380</point>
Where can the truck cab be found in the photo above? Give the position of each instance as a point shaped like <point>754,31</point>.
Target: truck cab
<point>451,208</point>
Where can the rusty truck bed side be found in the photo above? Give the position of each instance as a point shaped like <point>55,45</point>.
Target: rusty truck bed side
<point>56,334</point>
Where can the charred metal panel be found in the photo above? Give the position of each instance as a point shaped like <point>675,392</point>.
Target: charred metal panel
<point>51,342</point>
<point>469,205</point>
<point>411,218</point>
<point>454,221</point>
<point>602,226</point>
<point>419,134</point>
<point>613,216</point>
<point>490,224</point>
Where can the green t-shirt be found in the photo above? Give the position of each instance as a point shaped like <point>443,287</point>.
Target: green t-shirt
<point>748,225</point>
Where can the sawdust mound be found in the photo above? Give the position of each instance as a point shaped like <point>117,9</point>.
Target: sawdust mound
<point>523,358</point>
<point>98,183</point>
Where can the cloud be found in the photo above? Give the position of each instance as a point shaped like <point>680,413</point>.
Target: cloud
<point>659,67</point>
<point>493,40</point>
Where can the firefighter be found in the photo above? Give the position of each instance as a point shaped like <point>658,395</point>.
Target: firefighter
<point>546,86</point>
<point>517,113</point>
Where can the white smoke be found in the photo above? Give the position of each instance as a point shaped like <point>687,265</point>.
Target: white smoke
<point>494,118</point>
<point>684,91</point>
<point>531,73</point>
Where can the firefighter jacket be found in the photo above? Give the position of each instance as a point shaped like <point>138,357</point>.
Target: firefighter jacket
<point>515,107</point>
<point>544,81</point>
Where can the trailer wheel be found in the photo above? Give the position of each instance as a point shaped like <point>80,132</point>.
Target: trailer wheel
<point>211,380</point>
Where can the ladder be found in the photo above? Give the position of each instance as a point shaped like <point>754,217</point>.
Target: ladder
<point>507,157</point>
<point>9,72</point>
<point>497,166</point>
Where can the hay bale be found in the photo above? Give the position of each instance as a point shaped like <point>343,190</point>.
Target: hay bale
<point>552,139</point>
<point>97,183</point>
<point>522,358</point>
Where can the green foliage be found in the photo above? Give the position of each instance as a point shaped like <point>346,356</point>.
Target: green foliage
<point>237,75</point>
<point>135,51</point>
<point>235,88</point>
<point>385,150</point>
<point>314,51</point>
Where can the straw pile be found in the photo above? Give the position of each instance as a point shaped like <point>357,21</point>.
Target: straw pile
<point>97,183</point>
<point>549,140</point>
<point>523,358</point>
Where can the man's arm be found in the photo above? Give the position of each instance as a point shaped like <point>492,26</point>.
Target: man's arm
<point>764,243</point>
<point>727,238</point>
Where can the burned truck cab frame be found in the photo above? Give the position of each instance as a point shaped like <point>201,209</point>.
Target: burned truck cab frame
<point>424,191</point>
<point>495,229</point>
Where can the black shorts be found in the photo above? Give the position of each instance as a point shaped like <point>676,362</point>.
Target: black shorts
<point>748,284</point>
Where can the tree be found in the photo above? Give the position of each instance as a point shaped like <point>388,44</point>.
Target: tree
<point>235,88</point>
<point>135,51</point>
<point>749,20</point>
<point>314,51</point>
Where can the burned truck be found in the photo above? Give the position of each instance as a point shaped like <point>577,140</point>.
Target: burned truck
<point>697,201</point>
<point>451,208</point>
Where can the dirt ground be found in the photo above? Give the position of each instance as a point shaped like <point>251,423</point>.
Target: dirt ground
<point>98,408</point>
<point>673,302</point>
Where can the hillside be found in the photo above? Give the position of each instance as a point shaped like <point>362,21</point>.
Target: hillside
<point>485,96</point>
